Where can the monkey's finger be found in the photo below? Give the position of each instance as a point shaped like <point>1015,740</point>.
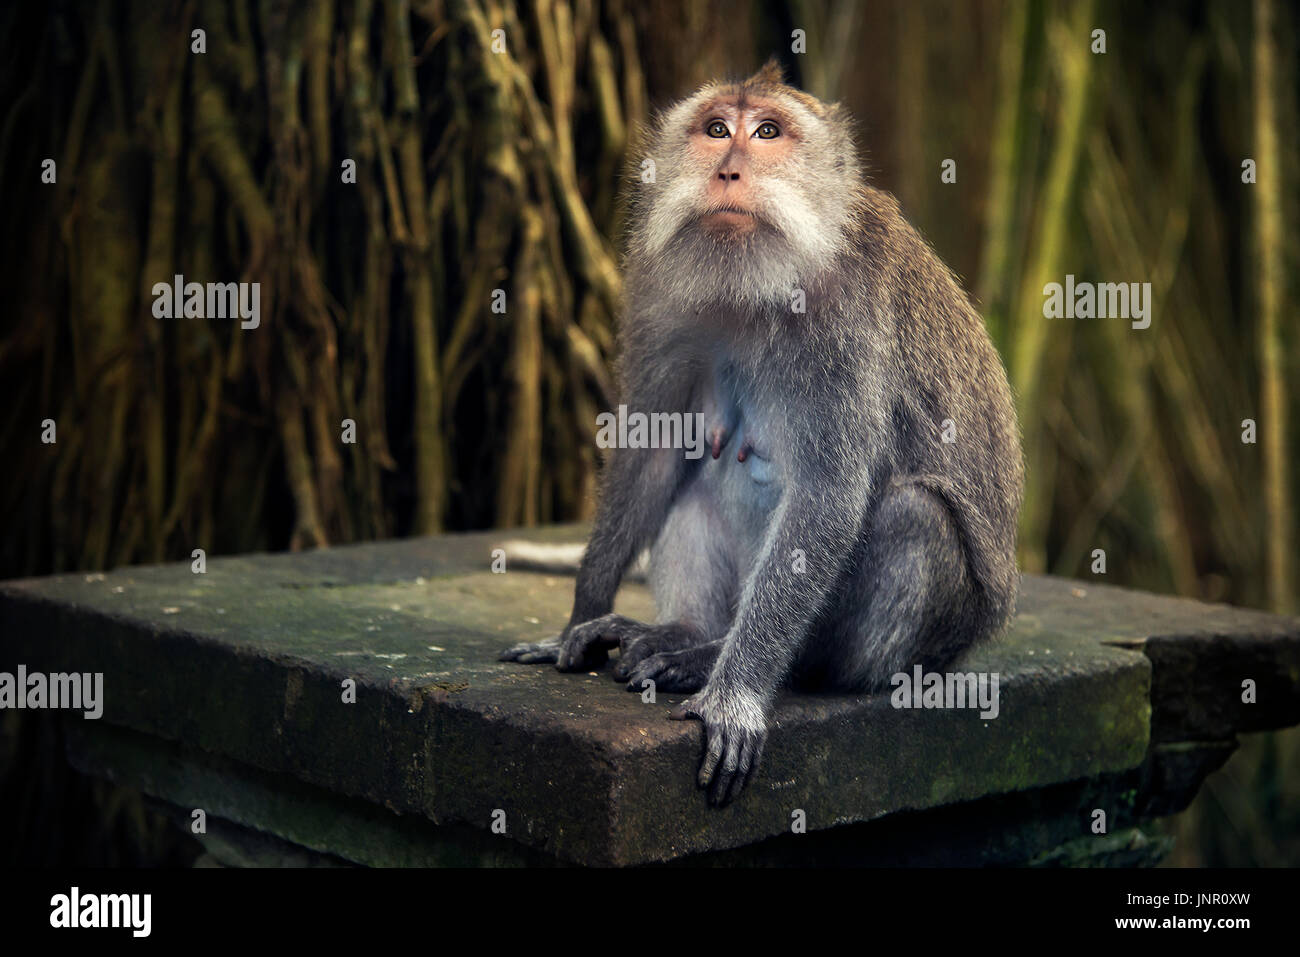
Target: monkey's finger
<point>638,676</point>
<point>721,788</point>
<point>587,646</point>
<point>735,784</point>
<point>573,651</point>
<point>712,755</point>
<point>749,755</point>
<point>726,776</point>
<point>629,662</point>
<point>756,758</point>
<point>637,671</point>
<point>631,635</point>
<point>604,630</point>
<point>637,679</point>
<point>718,787</point>
<point>530,652</point>
<point>579,652</point>
<point>582,660</point>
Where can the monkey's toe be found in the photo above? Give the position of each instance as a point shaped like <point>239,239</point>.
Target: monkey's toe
<point>631,660</point>
<point>532,653</point>
<point>672,672</point>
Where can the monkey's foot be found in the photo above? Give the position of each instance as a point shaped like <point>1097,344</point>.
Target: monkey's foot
<point>735,730</point>
<point>676,672</point>
<point>638,644</point>
<point>581,647</point>
<point>587,645</point>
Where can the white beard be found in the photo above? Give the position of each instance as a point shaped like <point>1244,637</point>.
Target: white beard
<point>759,269</point>
<point>790,244</point>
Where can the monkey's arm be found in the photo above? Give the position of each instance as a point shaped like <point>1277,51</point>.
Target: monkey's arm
<point>637,490</point>
<point>640,488</point>
<point>819,517</point>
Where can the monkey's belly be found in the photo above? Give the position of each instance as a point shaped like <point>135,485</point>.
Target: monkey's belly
<point>741,481</point>
<point>745,495</point>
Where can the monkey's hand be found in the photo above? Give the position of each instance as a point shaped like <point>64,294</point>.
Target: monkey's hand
<point>735,730</point>
<point>582,647</point>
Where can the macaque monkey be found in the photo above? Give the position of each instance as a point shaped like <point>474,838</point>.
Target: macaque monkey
<point>855,512</point>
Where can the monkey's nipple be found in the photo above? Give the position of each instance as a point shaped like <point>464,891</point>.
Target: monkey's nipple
<point>717,435</point>
<point>745,449</point>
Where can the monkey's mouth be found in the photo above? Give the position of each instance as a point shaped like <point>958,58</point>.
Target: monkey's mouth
<point>729,211</point>
<point>729,221</point>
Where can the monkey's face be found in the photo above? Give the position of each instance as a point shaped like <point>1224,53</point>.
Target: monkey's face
<point>753,192</point>
<point>738,146</point>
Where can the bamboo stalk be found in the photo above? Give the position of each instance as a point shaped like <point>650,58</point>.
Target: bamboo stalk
<point>1029,353</point>
<point>1270,281</point>
<point>517,487</point>
<point>1004,169</point>
<point>431,471</point>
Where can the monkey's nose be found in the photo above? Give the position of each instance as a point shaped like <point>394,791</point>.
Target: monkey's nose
<point>724,176</point>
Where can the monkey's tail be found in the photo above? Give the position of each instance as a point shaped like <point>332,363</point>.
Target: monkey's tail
<point>559,558</point>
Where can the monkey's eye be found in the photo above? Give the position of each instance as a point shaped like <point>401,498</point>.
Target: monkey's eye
<point>717,129</point>
<point>767,130</point>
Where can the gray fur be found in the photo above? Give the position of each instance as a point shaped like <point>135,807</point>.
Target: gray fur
<point>908,543</point>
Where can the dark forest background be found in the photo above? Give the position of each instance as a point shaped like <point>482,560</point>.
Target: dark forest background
<point>479,170</point>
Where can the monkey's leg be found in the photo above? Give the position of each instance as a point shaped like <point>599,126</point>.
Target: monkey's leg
<point>693,575</point>
<point>909,599</point>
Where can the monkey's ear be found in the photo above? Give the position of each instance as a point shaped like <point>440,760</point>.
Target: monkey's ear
<point>772,74</point>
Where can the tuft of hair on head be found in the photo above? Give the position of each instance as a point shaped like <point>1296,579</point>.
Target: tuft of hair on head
<point>770,74</point>
<point>770,81</point>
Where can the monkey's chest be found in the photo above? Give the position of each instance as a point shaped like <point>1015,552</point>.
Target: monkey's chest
<point>741,477</point>
<point>743,460</point>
